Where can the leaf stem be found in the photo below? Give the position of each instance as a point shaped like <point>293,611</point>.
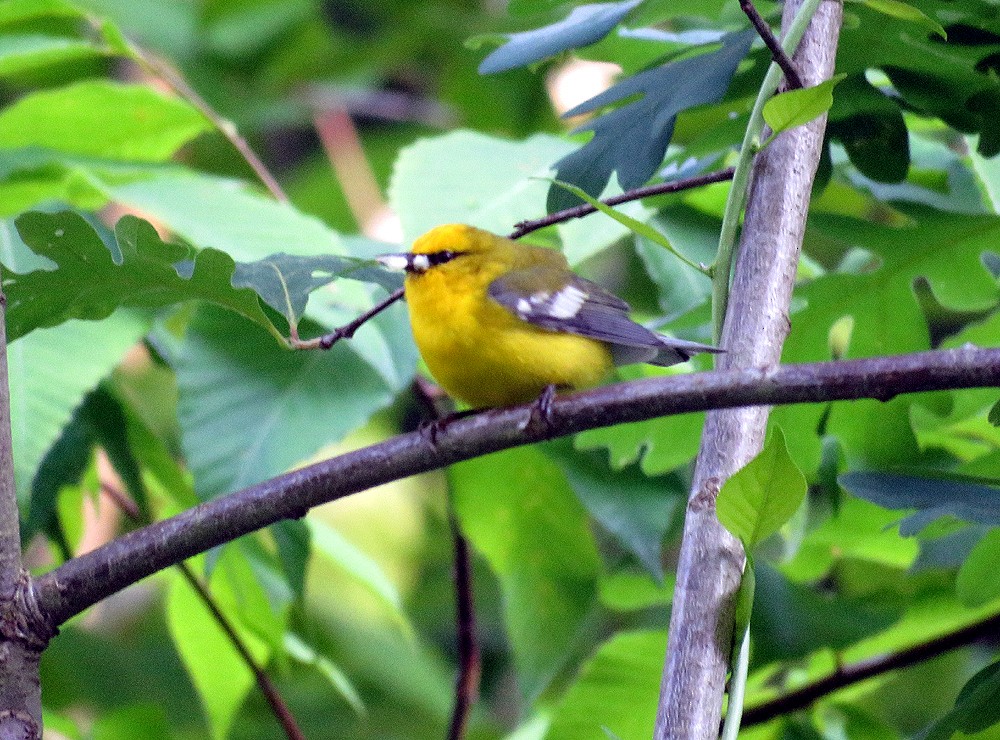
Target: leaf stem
<point>737,688</point>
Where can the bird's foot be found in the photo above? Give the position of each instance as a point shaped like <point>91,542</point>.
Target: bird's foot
<point>540,422</point>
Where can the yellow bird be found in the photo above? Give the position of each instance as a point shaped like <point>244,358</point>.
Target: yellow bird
<point>499,322</point>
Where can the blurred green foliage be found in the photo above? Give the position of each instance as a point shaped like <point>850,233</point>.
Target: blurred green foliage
<point>573,543</point>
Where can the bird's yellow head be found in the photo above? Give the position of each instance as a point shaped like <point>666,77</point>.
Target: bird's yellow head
<point>442,245</point>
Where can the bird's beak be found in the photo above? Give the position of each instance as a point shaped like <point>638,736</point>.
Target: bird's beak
<point>396,262</point>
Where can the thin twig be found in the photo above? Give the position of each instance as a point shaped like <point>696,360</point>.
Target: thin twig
<point>83,581</point>
<point>264,683</point>
<point>157,67</point>
<point>469,664</point>
<point>347,330</point>
<point>674,186</point>
<point>865,669</point>
<point>278,706</point>
<point>433,399</point>
<point>779,55</point>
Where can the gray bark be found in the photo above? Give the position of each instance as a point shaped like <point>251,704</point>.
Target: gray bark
<point>711,560</point>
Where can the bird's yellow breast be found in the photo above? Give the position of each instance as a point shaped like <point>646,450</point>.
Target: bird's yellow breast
<point>481,353</point>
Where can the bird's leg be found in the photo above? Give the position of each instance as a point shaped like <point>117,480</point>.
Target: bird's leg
<point>540,421</point>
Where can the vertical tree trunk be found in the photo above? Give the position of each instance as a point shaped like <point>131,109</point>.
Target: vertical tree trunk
<point>711,560</point>
<point>20,651</point>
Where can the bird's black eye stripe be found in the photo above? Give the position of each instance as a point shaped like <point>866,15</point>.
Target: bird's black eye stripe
<point>439,258</point>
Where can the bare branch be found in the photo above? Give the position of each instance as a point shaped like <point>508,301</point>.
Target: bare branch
<point>83,581</point>
<point>856,672</point>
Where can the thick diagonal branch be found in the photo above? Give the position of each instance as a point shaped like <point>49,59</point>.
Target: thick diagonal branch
<point>711,560</point>
<point>83,581</point>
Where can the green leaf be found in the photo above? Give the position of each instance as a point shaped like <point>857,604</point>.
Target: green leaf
<point>250,409</point>
<point>631,139</point>
<point>693,234</point>
<point>934,79</point>
<point>637,510</point>
<point>26,53</point>
<point>517,510</point>
<point>227,215</point>
<point>760,497</point>
<point>976,708</point>
<point>977,582</point>
<point>92,281</point>
<point>906,12</point>
<point>617,689</point>
<point>870,125</point>
<point>102,119</point>
<point>584,25</point>
<point>994,415</point>
<point>659,445</point>
<point>791,620</point>
<point>948,495</point>
<point>348,558</point>
<point>308,655</point>
<point>17,12</point>
<point>797,107</point>
<point>284,281</point>
<point>99,421</point>
<point>432,184</point>
<point>50,373</point>
<point>220,675</point>
<point>134,722</point>
<point>626,591</point>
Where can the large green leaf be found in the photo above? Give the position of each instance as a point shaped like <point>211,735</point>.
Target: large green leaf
<point>976,708</point>
<point>886,318</point>
<point>659,445</point>
<point>948,80</point>
<point>933,497</point>
<point>91,280</point>
<point>226,214</point>
<point>25,53</point>
<point>977,581</point>
<point>617,690</point>
<point>250,409</point>
<point>218,672</point>
<point>636,509</point>
<point>50,372</point>
<point>517,510</point>
<point>792,620</point>
<point>102,119</point>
